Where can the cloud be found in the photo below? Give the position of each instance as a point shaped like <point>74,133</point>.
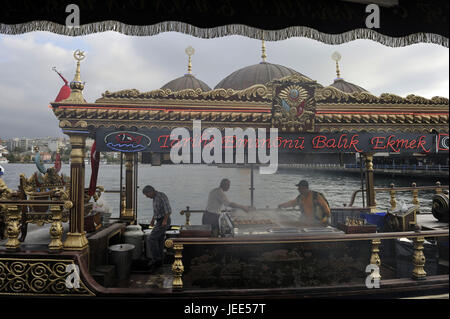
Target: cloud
<point>115,62</point>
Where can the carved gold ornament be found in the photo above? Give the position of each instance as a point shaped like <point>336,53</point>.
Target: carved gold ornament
<point>293,99</point>
<point>257,91</point>
<point>293,109</point>
<point>330,94</point>
<point>37,277</point>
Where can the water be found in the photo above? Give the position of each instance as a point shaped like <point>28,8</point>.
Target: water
<point>189,185</point>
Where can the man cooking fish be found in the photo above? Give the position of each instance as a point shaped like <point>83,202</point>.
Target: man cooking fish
<point>313,205</point>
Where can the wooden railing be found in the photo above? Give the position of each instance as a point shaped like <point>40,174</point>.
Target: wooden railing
<point>393,190</point>
<point>418,237</point>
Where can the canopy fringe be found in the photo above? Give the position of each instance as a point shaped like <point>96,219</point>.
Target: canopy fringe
<point>222,31</point>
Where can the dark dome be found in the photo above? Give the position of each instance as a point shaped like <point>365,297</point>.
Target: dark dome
<point>260,73</point>
<point>188,81</point>
<point>347,87</point>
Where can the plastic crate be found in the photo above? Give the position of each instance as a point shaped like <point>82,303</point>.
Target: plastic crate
<point>339,214</point>
<point>374,218</point>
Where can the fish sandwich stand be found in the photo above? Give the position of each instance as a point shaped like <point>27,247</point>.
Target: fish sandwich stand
<point>258,251</point>
<point>266,253</point>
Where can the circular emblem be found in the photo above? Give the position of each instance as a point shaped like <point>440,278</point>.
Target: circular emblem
<point>293,94</point>
<point>444,143</point>
<point>79,55</point>
<point>293,99</point>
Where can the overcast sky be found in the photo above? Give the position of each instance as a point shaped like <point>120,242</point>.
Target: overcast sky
<point>115,62</point>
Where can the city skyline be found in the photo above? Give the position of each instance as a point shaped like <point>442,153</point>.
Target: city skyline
<point>116,62</point>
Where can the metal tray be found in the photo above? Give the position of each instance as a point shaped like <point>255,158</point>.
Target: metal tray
<point>283,230</point>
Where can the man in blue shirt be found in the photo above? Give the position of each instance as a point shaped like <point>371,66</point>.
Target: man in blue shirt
<point>161,214</point>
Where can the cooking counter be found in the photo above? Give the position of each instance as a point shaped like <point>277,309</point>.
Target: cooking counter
<point>273,223</point>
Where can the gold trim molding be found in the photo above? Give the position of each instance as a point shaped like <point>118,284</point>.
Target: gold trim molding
<point>331,94</point>
<point>255,92</point>
<point>38,277</point>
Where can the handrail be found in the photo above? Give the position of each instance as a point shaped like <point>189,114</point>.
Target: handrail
<point>413,167</point>
<point>188,212</point>
<point>309,238</point>
<point>438,188</point>
<point>418,257</point>
<point>34,202</point>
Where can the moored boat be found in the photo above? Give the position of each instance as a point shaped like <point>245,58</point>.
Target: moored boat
<point>265,253</point>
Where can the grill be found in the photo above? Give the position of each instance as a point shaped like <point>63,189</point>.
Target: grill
<point>270,222</point>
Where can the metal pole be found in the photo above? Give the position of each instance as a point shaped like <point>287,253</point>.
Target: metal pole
<point>136,184</point>
<point>121,177</point>
<point>252,188</point>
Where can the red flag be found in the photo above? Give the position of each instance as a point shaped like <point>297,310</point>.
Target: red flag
<point>95,160</point>
<point>58,163</point>
<point>64,92</point>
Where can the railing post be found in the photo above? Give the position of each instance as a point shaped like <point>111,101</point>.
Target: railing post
<point>128,211</point>
<point>12,230</point>
<point>438,189</point>
<point>415,192</point>
<point>375,258</point>
<point>418,259</point>
<point>393,200</point>
<point>56,229</point>
<point>370,192</point>
<point>188,216</point>
<point>177,266</point>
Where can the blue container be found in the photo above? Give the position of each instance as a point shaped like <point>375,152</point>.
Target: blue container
<point>374,219</point>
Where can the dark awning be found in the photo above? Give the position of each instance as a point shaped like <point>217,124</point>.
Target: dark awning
<point>401,22</point>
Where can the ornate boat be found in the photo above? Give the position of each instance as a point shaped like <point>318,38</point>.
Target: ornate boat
<point>260,257</point>
<point>255,256</point>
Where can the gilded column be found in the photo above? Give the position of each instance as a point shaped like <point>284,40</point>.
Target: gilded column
<point>76,237</point>
<point>56,229</point>
<point>393,200</point>
<point>418,259</point>
<point>177,266</point>
<point>415,193</point>
<point>12,228</point>
<point>127,212</point>
<point>438,188</point>
<point>375,258</point>
<point>370,191</point>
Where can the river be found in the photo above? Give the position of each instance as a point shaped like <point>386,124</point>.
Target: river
<point>189,185</point>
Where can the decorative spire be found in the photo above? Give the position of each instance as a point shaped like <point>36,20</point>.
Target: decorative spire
<point>189,51</point>
<point>263,55</point>
<point>76,86</point>
<point>336,56</point>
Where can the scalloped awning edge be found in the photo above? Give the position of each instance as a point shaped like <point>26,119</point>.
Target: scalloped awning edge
<point>226,30</point>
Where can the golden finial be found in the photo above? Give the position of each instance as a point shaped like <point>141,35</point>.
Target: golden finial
<point>76,86</point>
<point>336,56</point>
<point>189,51</point>
<point>78,55</point>
<point>263,56</point>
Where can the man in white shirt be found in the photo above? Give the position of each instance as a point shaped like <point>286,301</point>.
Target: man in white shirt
<point>216,199</point>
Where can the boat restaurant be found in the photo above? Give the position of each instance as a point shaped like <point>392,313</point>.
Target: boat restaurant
<point>249,119</point>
